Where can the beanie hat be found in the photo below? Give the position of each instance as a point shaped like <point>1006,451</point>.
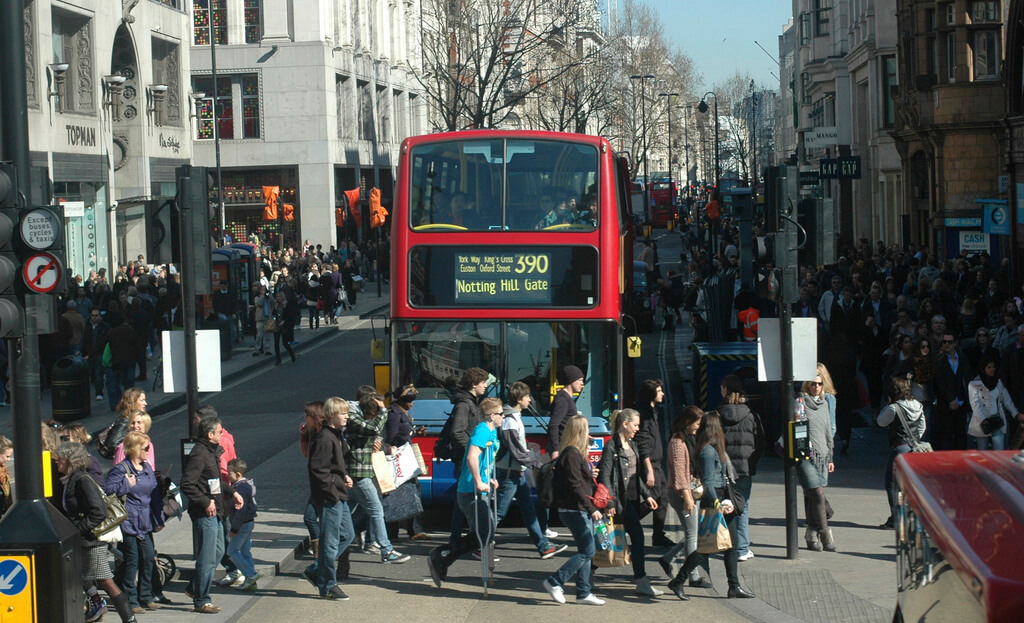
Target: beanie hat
<point>571,374</point>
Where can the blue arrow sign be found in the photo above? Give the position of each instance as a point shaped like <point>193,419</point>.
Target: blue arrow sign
<point>13,577</point>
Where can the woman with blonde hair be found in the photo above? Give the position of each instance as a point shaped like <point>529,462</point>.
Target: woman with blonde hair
<point>133,399</point>
<point>141,422</point>
<point>819,400</point>
<point>134,479</point>
<point>574,490</point>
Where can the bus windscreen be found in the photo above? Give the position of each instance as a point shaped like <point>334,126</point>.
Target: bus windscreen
<point>503,185</point>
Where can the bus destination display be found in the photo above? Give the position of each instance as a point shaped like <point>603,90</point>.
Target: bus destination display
<point>490,278</point>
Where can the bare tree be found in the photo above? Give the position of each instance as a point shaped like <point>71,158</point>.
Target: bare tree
<point>482,58</point>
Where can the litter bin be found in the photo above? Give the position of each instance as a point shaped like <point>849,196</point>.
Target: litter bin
<point>221,323</point>
<point>70,388</point>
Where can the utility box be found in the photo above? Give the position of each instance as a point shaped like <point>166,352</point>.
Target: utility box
<point>41,563</point>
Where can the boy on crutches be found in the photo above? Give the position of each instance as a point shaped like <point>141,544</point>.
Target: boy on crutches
<point>474,496</point>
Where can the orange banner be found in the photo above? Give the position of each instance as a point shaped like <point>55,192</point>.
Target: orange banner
<point>270,197</point>
<point>378,213</point>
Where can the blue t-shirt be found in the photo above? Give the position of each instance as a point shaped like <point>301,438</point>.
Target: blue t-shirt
<point>486,439</point>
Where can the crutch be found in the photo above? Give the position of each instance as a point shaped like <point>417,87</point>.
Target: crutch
<point>486,543</point>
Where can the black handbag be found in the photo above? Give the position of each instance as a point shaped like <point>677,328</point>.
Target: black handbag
<point>731,492</point>
<point>991,424</point>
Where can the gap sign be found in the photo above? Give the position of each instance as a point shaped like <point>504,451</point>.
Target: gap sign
<point>845,168</point>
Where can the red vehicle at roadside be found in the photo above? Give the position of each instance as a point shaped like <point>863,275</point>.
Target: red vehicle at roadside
<point>663,208</point>
<point>959,536</point>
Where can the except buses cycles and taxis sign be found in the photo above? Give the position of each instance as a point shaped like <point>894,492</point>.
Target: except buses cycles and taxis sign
<point>492,278</point>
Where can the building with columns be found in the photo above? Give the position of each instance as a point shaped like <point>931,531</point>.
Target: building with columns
<point>107,82</point>
<point>312,96</point>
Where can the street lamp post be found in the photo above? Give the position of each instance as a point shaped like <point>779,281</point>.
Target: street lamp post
<point>668,109</point>
<point>643,138</point>
<point>753,142</point>
<point>703,108</point>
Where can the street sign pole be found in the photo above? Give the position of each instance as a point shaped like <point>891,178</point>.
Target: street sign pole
<point>32,530</point>
<point>187,212</point>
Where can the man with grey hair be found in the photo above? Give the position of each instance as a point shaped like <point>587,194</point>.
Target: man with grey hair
<point>201,485</point>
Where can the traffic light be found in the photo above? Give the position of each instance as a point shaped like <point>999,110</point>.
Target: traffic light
<point>11,314</point>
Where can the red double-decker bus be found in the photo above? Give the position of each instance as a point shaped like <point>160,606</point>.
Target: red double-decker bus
<point>510,252</point>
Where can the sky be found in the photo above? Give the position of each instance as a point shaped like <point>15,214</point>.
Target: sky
<point>719,35</point>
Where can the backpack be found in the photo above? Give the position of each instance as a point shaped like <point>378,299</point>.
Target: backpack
<point>546,485</point>
<point>443,445</point>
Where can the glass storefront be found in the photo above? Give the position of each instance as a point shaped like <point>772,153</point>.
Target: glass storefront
<point>85,239</point>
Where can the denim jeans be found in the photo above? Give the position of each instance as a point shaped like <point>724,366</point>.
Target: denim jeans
<point>743,485</point>
<point>240,549</point>
<point>581,526</point>
<point>208,548</point>
<point>981,443</point>
<point>336,534</point>
<point>513,486</point>
<point>685,533</point>
<point>890,483</point>
<point>311,518</point>
<point>119,379</point>
<point>364,493</point>
<point>137,582</point>
<point>731,556</point>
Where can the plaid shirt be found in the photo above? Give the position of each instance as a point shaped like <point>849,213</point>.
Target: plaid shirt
<point>360,434</point>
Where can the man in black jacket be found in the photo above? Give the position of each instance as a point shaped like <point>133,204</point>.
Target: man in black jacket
<point>563,406</point>
<point>465,416</point>
<point>95,330</point>
<point>952,407</point>
<point>201,485</point>
<point>329,484</point>
<point>650,395</point>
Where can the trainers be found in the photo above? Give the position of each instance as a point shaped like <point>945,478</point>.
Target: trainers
<point>231,577</point>
<point>394,557</point>
<point>97,608</point>
<point>480,556</point>
<point>553,550</point>
<point>99,397</point>
<point>371,548</point>
<point>748,555</point>
<point>435,563</point>
<point>590,600</point>
<point>335,594</point>
<point>643,587</point>
<point>248,584</point>
<point>550,534</point>
<point>555,591</point>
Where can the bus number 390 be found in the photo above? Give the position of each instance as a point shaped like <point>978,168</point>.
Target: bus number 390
<point>532,264</point>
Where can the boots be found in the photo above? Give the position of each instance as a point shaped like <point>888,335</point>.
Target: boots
<point>813,543</point>
<point>314,547</point>
<point>827,541</point>
<point>344,565</point>
<point>124,609</point>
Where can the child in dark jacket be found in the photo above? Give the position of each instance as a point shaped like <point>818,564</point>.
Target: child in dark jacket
<point>242,522</point>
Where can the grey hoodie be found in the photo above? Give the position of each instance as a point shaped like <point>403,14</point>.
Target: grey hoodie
<point>913,412</point>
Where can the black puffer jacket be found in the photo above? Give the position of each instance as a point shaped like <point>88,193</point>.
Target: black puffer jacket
<point>326,467</point>
<point>744,438</point>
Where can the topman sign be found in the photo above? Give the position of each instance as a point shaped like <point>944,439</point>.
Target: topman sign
<point>821,137</point>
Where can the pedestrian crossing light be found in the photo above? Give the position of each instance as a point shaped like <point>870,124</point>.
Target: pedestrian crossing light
<point>11,307</point>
